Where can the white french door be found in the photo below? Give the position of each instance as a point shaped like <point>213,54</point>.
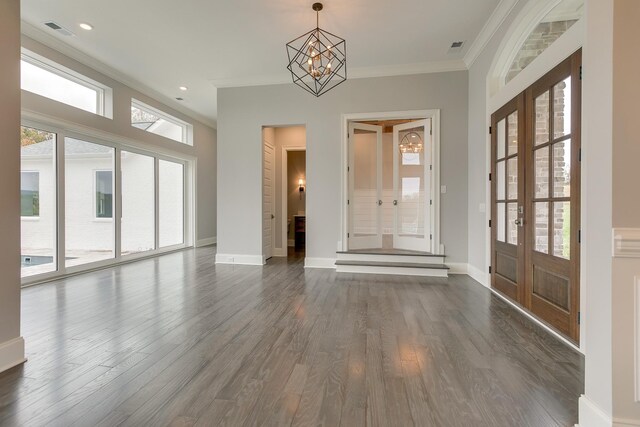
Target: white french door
<point>412,186</point>
<point>268,199</point>
<point>365,186</point>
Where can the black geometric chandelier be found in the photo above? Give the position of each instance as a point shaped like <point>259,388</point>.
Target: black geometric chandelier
<point>317,59</point>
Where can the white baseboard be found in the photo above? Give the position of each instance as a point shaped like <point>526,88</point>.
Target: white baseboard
<point>477,275</point>
<point>319,263</point>
<point>239,259</point>
<point>291,243</point>
<point>590,414</point>
<point>12,353</point>
<point>457,267</point>
<point>536,321</point>
<point>619,422</point>
<point>206,242</point>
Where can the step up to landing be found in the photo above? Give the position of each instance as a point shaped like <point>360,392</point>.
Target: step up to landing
<point>392,262</point>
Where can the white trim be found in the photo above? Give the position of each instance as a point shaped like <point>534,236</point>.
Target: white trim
<point>492,25</point>
<point>536,320</point>
<point>239,259</point>
<point>626,242</point>
<point>622,422</point>
<point>478,275</point>
<point>354,73</point>
<point>12,353</point>
<point>319,263</point>
<point>458,268</point>
<point>395,271</point>
<point>284,181</point>
<point>51,42</point>
<point>434,115</point>
<point>206,242</point>
<point>590,415</point>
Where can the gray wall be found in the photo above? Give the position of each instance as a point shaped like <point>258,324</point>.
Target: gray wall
<point>9,180</point>
<point>244,111</point>
<point>204,136</point>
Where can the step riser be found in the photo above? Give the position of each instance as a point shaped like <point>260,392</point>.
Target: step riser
<point>413,259</point>
<point>398,271</point>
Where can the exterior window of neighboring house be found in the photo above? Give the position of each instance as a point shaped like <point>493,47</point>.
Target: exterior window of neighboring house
<point>51,80</point>
<point>152,120</point>
<point>30,194</point>
<point>104,194</point>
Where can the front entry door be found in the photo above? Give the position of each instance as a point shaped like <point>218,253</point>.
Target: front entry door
<point>536,198</point>
<point>365,186</point>
<point>412,186</point>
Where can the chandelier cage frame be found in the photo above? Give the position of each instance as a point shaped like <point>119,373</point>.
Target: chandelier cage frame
<point>409,147</point>
<point>317,59</point>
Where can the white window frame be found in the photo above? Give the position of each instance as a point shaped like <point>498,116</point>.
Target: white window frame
<point>69,130</point>
<point>187,128</point>
<point>104,98</point>
<point>31,217</point>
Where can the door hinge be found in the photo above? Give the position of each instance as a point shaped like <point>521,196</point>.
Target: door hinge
<point>579,318</point>
<point>581,72</point>
<point>430,167</point>
<point>347,235</point>
<point>430,236</point>
<point>348,202</point>
<point>579,236</point>
<point>489,269</point>
<point>489,177</point>
<point>348,169</point>
<point>431,202</point>
<point>430,131</point>
<point>489,223</point>
<point>490,130</point>
<point>580,154</point>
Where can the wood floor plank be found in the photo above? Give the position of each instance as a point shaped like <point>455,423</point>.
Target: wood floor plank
<point>177,340</point>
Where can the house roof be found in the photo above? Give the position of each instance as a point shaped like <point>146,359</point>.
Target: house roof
<point>72,148</point>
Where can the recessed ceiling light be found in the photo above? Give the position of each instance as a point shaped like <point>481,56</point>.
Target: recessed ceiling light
<point>183,88</point>
<point>86,26</point>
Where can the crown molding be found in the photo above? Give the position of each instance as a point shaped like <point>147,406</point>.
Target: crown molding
<point>53,43</point>
<point>492,25</point>
<point>355,73</point>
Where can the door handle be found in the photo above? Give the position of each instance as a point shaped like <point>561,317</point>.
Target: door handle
<point>379,202</point>
<point>272,216</point>
<point>395,203</point>
<point>519,222</point>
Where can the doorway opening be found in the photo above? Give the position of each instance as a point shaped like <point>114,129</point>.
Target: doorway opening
<point>392,202</point>
<point>284,192</point>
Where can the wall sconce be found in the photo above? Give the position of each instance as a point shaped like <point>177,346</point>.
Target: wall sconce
<point>301,187</point>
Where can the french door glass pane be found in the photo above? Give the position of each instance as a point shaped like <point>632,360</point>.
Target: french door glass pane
<point>501,138</point>
<point>500,190</point>
<point>37,201</point>
<point>501,221</point>
<point>512,178</point>
<point>541,166</point>
<point>513,133</point>
<point>562,229</point>
<point>171,203</point>
<point>138,203</point>
<point>542,118</point>
<point>562,169</point>
<point>562,108</point>
<point>512,228</point>
<point>89,202</point>
<point>541,224</point>
<point>365,175</point>
<point>411,172</point>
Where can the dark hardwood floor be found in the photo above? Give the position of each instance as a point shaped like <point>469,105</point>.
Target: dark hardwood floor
<point>179,341</point>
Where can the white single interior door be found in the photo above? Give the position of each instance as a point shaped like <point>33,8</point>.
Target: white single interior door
<point>412,185</point>
<point>268,199</point>
<point>365,186</point>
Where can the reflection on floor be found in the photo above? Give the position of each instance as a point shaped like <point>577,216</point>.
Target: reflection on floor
<point>178,340</point>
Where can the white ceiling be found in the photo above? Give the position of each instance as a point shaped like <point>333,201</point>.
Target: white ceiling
<point>204,44</point>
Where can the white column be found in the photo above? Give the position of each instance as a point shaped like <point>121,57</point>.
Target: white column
<point>11,344</point>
